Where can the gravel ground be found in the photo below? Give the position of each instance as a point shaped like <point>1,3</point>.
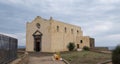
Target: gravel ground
<point>42,58</point>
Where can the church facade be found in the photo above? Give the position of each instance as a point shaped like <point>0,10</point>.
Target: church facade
<point>44,35</point>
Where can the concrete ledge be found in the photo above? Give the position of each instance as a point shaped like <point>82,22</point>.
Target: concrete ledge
<point>104,52</point>
<point>66,62</point>
<point>104,62</point>
<point>16,61</point>
<point>23,60</point>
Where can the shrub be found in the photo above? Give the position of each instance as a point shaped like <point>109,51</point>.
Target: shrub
<point>86,48</point>
<point>116,55</point>
<point>71,46</point>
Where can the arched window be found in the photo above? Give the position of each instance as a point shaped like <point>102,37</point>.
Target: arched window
<point>38,25</point>
<point>65,29</point>
<point>72,31</point>
<point>81,41</point>
<point>77,32</point>
<point>57,28</point>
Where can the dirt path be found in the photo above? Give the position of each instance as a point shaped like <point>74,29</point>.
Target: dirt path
<point>43,60</point>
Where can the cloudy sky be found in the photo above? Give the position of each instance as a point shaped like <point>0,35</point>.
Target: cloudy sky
<point>99,19</point>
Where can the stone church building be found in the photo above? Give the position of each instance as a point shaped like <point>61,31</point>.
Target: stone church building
<point>44,35</point>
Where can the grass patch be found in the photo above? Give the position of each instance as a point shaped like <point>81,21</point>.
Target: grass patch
<point>85,57</point>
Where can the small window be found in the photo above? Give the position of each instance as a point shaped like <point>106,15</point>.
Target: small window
<point>81,41</point>
<point>72,31</point>
<point>38,25</point>
<point>77,32</point>
<point>57,28</point>
<point>65,29</point>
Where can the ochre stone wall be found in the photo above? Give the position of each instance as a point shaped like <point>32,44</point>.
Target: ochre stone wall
<point>61,38</point>
<point>56,35</point>
<point>44,29</point>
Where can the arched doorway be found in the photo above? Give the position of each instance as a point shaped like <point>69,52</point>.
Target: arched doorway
<point>37,41</point>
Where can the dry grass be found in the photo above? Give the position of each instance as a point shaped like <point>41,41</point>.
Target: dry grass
<point>85,57</point>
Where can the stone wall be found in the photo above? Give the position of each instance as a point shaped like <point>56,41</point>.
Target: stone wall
<point>44,29</point>
<point>56,35</point>
<point>63,35</point>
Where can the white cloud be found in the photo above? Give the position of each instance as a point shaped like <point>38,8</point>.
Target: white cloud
<point>108,40</point>
<point>19,36</point>
<point>96,28</point>
<point>109,1</point>
<point>114,37</point>
<point>102,26</point>
<point>65,7</point>
<point>11,35</point>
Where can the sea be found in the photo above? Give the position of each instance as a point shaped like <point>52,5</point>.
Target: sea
<point>19,47</point>
<point>111,47</point>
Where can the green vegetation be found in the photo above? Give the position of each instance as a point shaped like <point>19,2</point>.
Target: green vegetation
<point>71,46</point>
<point>116,55</point>
<point>86,48</point>
<point>85,57</point>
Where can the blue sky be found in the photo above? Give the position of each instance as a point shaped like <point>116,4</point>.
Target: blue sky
<point>99,19</point>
